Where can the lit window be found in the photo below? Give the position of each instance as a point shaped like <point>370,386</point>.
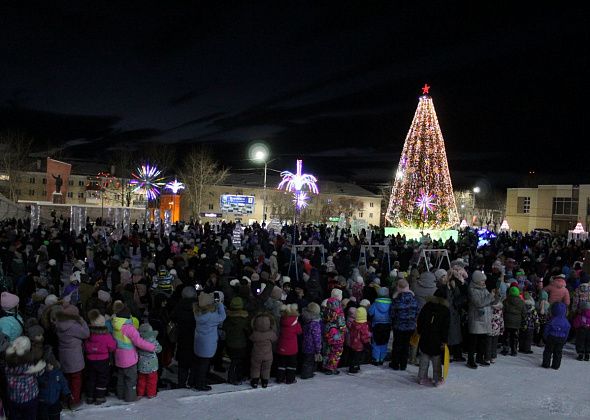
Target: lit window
<point>524,205</point>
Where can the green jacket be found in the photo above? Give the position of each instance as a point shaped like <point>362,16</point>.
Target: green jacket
<point>514,312</point>
<point>237,329</point>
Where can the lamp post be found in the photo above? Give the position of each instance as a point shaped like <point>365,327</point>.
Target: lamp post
<point>476,190</point>
<point>259,153</point>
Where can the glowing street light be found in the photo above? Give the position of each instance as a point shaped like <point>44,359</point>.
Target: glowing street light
<point>259,153</point>
<point>476,190</point>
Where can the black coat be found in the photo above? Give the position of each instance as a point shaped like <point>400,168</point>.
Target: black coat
<point>185,320</point>
<point>433,325</point>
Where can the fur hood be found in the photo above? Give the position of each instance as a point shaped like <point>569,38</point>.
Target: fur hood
<point>438,301</point>
<point>263,322</point>
<point>240,313</point>
<point>62,317</point>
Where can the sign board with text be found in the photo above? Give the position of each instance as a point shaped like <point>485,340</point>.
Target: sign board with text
<point>237,204</point>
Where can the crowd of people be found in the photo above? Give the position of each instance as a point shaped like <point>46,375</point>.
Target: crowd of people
<point>104,312</point>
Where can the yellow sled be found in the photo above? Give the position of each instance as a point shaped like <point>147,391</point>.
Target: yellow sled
<point>446,362</point>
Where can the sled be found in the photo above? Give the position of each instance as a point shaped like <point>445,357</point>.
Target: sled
<point>446,362</point>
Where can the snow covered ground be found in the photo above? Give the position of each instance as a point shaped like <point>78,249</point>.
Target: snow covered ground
<point>513,388</point>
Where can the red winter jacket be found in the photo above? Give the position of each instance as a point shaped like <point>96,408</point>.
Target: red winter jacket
<point>359,335</point>
<point>99,344</point>
<point>290,328</point>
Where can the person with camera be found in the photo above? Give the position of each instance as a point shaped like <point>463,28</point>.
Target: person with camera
<point>209,315</point>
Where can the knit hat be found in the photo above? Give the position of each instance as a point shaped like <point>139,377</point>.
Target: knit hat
<point>514,291</point>
<point>35,331</point>
<point>51,300</point>
<point>188,292</point>
<point>236,304</point>
<point>440,273</point>
<point>146,331</point>
<point>276,293</point>
<point>19,345</point>
<point>9,301</point>
<point>365,303</point>
<point>361,315</point>
<point>234,283</point>
<point>376,281</point>
<point>383,292</point>
<point>264,276</point>
<point>71,310</point>
<point>52,262</point>
<point>359,279</point>
<point>352,312</point>
<point>95,318</point>
<point>255,277</point>
<point>478,277</point>
<point>313,308</point>
<point>41,294</point>
<point>402,285</point>
<point>286,279</point>
<point>206,299</point>
<point>104,296</point>
<point>336,293</point>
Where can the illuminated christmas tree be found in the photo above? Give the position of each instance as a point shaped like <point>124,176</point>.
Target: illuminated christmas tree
<point>422,195</point>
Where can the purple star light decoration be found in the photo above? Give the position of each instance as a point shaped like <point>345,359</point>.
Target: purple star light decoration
<point>294,182</point>
<point>426,202</point>
<point>300,200</point>
<point>147,178</point>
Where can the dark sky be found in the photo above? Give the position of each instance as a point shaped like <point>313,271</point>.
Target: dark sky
<point>336,84</point>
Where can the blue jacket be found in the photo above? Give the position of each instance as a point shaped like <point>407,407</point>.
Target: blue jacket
<point>206,334</point>
<point>379,310</point>
<point>404,310</point>
<point>52,385</point>
<point>558,326</point>
<point>10,325</point>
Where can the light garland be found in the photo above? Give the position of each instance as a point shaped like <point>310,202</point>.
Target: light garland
<point>423,167</point>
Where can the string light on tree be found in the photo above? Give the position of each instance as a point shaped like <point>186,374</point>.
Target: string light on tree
<point>424,168</point>
<point>426,203</point>
<point>149,179</point>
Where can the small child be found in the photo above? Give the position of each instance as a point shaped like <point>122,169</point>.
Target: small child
<point>52,386</point>
<point>22,369</point>
<point>514,314</point>
<point>236,328</point>
<point>530,326</point>
<point>262,337</point>
<point>582,326</point>
<point>359,336</point>
<point>555,336</point>
<point>287,348</point>
<point>97,348</point>
<point>147,367</point>
<point>497,331</point>
<point>543,310</point>
<point>433,327</point>
<point>312,339</point>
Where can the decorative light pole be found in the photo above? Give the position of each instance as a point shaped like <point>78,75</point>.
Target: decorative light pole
<point>297,183</point>
<point>259,153</point>
<point>149,179</point>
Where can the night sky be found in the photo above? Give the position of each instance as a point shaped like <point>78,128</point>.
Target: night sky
<point>336,85</point>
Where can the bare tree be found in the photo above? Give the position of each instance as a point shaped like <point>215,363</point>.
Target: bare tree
<point>346,205</point>
<point>124,162</point>
<point>199,172</point>
<point>14,155</point>
<point>281,205</point>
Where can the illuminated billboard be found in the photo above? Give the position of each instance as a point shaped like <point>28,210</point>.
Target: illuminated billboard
<point>237,204</point>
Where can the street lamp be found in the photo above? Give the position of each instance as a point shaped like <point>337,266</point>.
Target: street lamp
<point>259,153</point>
<point>476,190</point>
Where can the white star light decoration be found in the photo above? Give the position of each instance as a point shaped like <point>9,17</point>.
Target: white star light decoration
<point>174,186</point>
<point>147,178</point>
<point>296,182</point>
<point>300,200</point>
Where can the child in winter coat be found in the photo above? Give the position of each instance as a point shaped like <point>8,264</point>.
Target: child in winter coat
<point>22,369</point>
<point>582,326</point>
<point>557,290</point>
<point>555,335</point>
<point>236,327</point>
<point>381,325</point>
<point>312,339</point>
<point>530,326</point>
<point>11,323</point>
<point>357,288</point>
<point>543,310</point>
<point>334,332</point>
<point>359,336</point>
<point>433,327</point>
<point>147,381</point>
<point>71,331</point>
<point>497,331</point>
<point>287,348</point>
<point>404,309</point>
<point>262,337</point>
<point>97,348</point>
<point>514,315</point>
<point>126,358</point>
<point>581,296</point>
<point>52,387</point>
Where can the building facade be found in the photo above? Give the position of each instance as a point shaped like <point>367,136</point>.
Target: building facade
<point>555,207</point>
